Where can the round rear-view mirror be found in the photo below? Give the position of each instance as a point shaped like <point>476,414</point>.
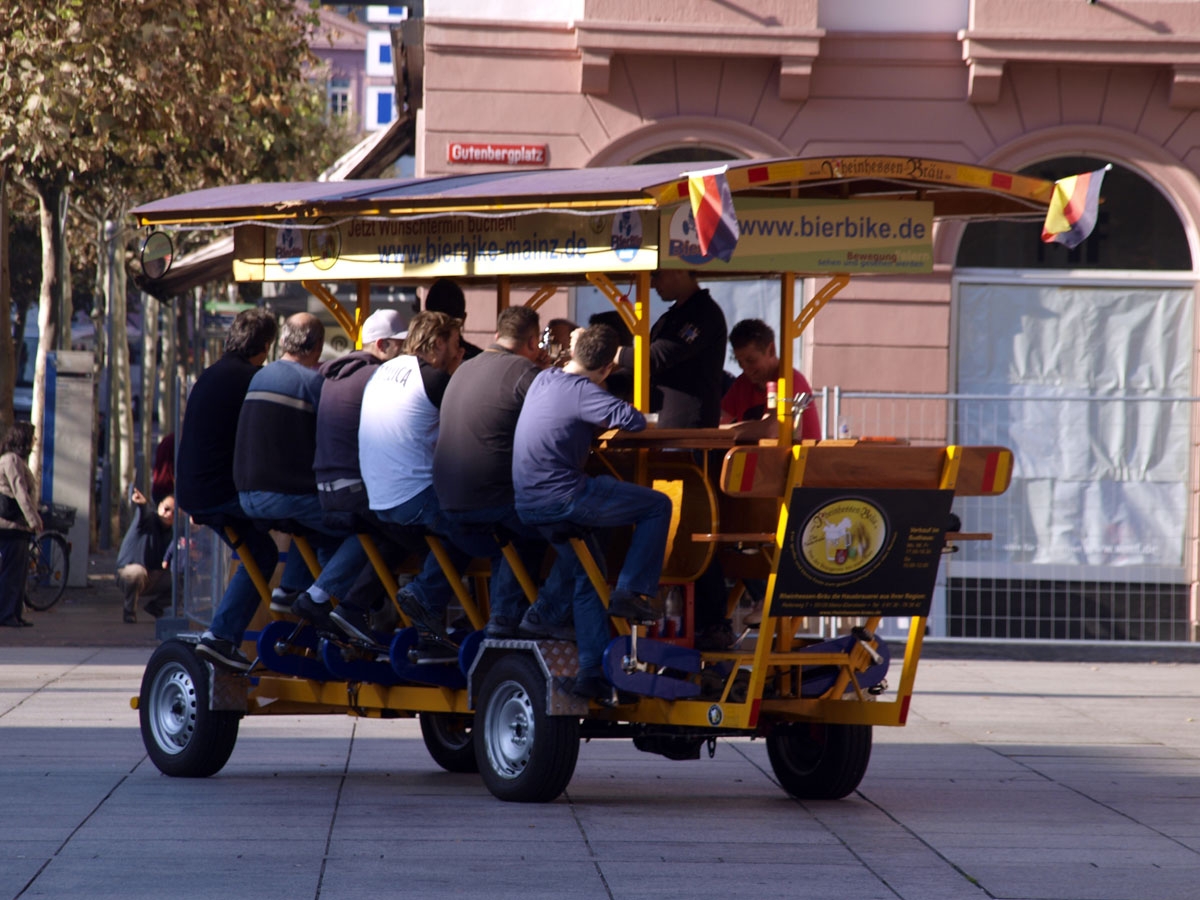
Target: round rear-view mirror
<point>157,253</point>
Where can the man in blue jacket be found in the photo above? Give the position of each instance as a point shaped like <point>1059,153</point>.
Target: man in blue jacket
<point>562,411</point>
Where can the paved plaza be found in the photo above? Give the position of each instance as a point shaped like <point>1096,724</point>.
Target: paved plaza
<point>1014,779</point>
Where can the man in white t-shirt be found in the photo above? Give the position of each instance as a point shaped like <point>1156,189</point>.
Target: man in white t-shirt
<point>397,434</point>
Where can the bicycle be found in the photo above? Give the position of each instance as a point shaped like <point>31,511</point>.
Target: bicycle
<point>49,559</point>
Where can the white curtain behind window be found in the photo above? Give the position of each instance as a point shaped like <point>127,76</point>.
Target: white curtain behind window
<point>1098,482</point>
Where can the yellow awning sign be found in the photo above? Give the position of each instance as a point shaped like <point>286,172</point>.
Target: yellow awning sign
<point>450,246</point>
<point>810,236</point>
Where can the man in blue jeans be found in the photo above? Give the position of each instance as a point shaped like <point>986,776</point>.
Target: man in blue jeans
<point>273,464</point>
<point>397,433</point>
<point>562,411</point>
<point>204,485</point>
<point>472,474</point>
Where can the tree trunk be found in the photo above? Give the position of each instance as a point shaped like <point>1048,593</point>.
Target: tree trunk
<point>100,534</point>
<point>52,200</point>
<point>8,349</point>
<point>150,406</point>
<point>120,420</point>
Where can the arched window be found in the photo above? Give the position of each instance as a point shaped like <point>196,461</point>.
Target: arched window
<point>690,153</point>
<point>1136,229</point>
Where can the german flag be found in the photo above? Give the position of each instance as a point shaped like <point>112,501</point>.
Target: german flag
<point>717,229</point>
<point>1072,213</point>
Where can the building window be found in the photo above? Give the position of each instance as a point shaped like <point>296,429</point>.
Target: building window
<point>379,54</point>
<point>339,96</point>
<point>1136,229</point>
<point>381,108</point>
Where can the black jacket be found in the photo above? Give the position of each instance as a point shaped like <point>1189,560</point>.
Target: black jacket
<point>337,417</point>
<point>204,464</point>
<point>687,363</point>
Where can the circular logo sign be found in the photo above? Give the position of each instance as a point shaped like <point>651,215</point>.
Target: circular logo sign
<point>287,248</point>
<point>715,716</point>
<point>842,537</point>
<point>626,235</point>
<point>325,244</point>
<point>683,243</point>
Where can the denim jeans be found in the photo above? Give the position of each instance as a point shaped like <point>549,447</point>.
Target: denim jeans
<point>241,599</point>
<point>430,587</point>
<point>339,552</point>
<point>606,502</point>
<point>472,531</point>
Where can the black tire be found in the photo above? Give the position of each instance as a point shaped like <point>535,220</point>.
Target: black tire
<point>49,566</point>
<point>449,740</point>
<point>183,736</point>
<point>524,755</point>
<point>820,762</point>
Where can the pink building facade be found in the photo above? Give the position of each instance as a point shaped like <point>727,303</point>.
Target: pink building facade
<point>1005,83</point>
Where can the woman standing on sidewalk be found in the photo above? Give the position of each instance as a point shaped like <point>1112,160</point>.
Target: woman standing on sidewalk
<point>18,517</point>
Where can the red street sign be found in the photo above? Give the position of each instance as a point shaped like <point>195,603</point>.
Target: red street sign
<point>502,154</point>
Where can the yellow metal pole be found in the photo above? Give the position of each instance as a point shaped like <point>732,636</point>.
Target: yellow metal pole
<point>641,343</point>
<point>361,311</point>
<point>784,387</point>
<point>452,575</point>
<point>381,569</point>
<point>335,308</point>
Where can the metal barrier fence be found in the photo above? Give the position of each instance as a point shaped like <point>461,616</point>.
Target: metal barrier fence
<point>1090,541</point>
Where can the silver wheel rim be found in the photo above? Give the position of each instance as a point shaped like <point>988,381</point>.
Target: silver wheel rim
<point>509,730</point>
<point>173,706</point>
<point>453,732</point>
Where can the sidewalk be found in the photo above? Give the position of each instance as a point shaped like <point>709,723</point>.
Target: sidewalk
<point>85,617</point>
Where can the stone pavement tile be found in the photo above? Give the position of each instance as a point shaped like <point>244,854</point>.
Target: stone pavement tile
<point>1074,880</point>
<point>912,881</point>
<point>756,880</point>
<point>134,875</point>
<point>482,844</point>
<point>685,845</point>
<point>17,872</point>
<point>461,874</point>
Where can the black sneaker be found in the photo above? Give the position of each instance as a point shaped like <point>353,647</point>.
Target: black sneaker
<point>282,601</point>
<point>533,627</point>
<point>592,687</point>
<point>503,628</point>
<point>222,653</point>
<point>311,611</point>
<point>420,616</point>
<point>716,637</point>
<point>353,622</point>
<point>637,608</point>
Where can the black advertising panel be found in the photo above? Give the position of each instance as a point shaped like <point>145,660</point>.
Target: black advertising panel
<point>860,552</point>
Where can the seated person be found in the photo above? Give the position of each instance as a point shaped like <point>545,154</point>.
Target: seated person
<point>446,297</point>
<point>273,464</point>
<point>556,340</point>
<point>472,474</point>
<point>562,411</point>
<point>753,344</point>
<point>142,571</point>
<point>397,433</point>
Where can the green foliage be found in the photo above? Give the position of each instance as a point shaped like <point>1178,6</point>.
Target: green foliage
<point>137,98</point>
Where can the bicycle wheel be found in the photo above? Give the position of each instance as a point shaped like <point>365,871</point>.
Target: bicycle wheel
<point>49,562</point>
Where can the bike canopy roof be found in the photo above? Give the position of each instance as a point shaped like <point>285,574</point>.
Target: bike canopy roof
<point>847,214</point>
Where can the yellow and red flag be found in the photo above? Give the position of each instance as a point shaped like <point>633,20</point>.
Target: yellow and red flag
<point>1073,208</point>
<point>717,229</point>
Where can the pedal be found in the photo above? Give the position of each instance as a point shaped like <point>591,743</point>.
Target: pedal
<point>291,649</point>
<point>446,673</point>
<point>345,662</point>
<point>639,679</point>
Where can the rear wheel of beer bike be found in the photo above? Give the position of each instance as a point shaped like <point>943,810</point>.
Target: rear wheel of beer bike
<point>183,737</point>
<point>448,738</point>
<point>524,755</point>
<point>818,761</point>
